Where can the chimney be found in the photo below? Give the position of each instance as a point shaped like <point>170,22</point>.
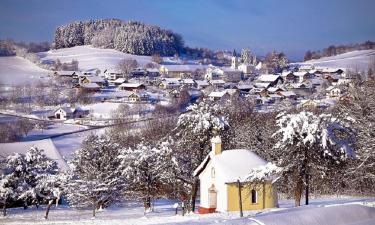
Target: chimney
<point>216,145</point>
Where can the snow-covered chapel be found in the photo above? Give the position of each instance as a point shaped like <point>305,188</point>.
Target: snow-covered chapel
<point>220,174</point>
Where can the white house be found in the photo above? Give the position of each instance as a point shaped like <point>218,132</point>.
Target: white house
<point>219,175</point>
<point>218,95</point>
<point>65,113</point>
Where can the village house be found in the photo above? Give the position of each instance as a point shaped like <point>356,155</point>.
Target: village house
<point>303,76</point>
<point>244,87</point>
<point>138,97</point>
<point>220,175</point>
<point>180,71</point>
<point>201,84</point>
<point>131,86</point>
<point>170,83</point>
<point>333,92</point>
<point>219,95</point>
<point>270,79</point>
<point>152,72</point>
<point>93,80</point>
<point>138,72</point>
<point>289,77</point>
<point>64,113</point>
<point>112,74</point>
<point>188,82</point>
<point>118,81</point>
<point>223,73</point>
<point>217,83</point>
<point>90,87</point>
<point>66,73</point>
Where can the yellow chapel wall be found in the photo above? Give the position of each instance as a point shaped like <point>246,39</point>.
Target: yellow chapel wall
<point>269,200</point>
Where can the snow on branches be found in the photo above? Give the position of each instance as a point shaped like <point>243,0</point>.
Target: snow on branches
<point>264,173</point>
<point>145,167</point>
<point>305,129</point>
<point>94,179</point>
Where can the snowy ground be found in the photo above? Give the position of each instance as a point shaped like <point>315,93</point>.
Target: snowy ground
<point>354,60</point>
<point>132,213</point>
<point>16,70</point>
<point>90,57</point>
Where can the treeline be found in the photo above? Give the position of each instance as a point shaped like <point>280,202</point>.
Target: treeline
<point>10,47</point>
<point>129,37</point>
<point>333,50</point>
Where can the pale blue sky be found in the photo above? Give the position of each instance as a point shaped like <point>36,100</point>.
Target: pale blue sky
<point>292,26</point>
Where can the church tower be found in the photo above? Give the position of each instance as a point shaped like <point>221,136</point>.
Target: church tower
<point>235,60</point>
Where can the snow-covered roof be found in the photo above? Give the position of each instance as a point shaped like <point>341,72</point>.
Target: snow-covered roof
<point>119,80</point>
<point>66,72</point>
<point>181,68</point>
<point>202,82</point>
<point>300,73</point>
<point>90,86</point>
<point>268,77</point>
<point>131,85</point>
<point>286,73</point>
<point>232,165</point>
<point>262,85</point>
<point>188,81</point>
<point>172,80</point>
<point>112,71</point>
<point>244,86</point>
<point>47,145</point>
<point>217,94</point>
<point>287,93</point>
<point>217,82</point>
<point>95,79</point>
<point>274,89</point>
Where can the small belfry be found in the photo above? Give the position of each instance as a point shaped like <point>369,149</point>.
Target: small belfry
<point>224,185</point>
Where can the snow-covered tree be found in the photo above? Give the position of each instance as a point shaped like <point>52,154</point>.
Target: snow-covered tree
<point>247,57</point>
<point>37,166</point>
<point>193,134</point>
<point>309,144</point>
<point>275,62</point>
<point>95,180</point>
<point>28,177</point>
<point>146,168</point>
<point>358,109</point>
<point>129,37</point>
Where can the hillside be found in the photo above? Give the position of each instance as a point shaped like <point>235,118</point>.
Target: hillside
<point>128,37</point>
<point>90,57</point>
<point>16,70</point>
<point>352,60</point>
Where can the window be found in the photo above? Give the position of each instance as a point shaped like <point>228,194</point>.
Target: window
<point>212,172</point>
<point>253,196</point>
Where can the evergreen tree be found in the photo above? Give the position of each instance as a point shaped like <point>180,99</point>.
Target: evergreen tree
<point>95,180</point>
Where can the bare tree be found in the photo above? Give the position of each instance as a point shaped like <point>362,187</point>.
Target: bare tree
<point>156,58</point>
<point>126,66</point>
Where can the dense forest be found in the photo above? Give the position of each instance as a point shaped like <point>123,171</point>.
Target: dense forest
<point>129,37</point>
<point>333,50</point>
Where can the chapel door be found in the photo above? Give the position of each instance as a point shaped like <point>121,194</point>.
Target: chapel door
<point>212,197</point>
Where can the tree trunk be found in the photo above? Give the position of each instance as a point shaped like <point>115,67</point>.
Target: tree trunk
<point>93,211</point>
<point>194,194</point>
<point>307,188</point>
<point>298,191</point>
<point>48,208</point>
<point>4,209</point>
<point>147,203</point>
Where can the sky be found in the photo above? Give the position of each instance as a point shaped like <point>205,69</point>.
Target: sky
<point>291,26</point>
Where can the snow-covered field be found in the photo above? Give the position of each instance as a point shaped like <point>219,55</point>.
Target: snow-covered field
<point>354,60</point>
<point>16,70</point>
<point>321,211</point>
<point>90,57</point>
